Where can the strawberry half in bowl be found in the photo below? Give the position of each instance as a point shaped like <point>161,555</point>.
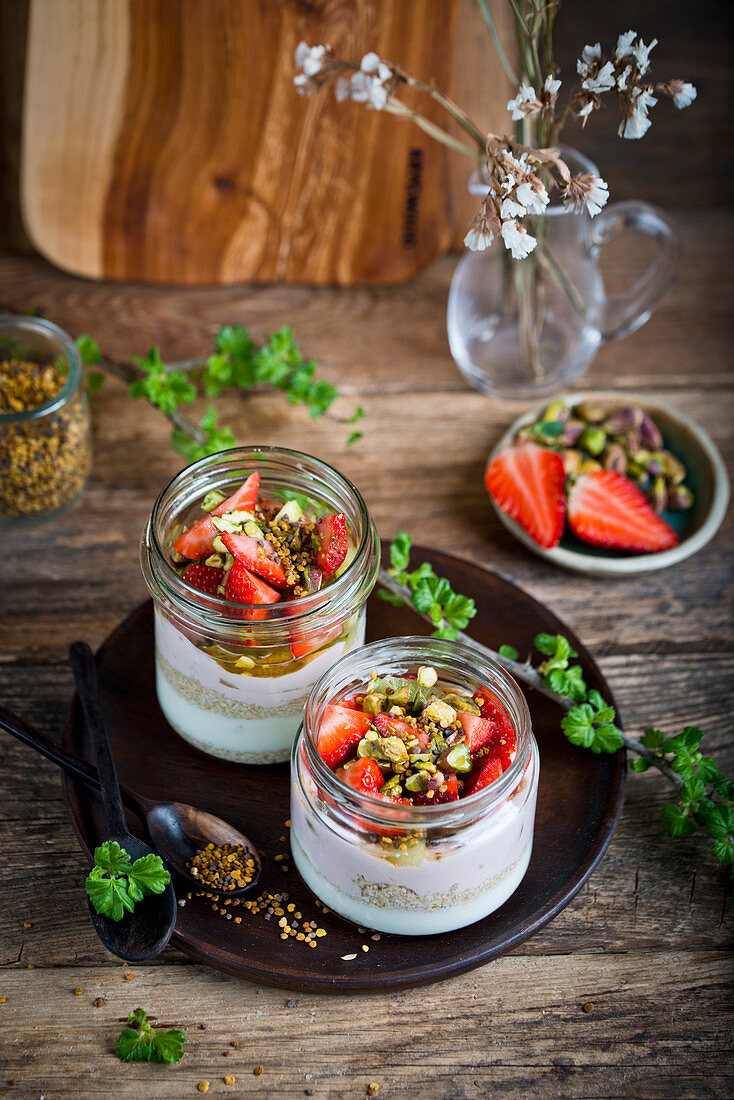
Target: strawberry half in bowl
<point>608,483</point>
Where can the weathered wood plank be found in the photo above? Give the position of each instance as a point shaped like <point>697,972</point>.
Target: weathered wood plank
<point>547,1045</point>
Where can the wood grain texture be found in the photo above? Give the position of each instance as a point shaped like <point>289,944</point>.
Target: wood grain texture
<point>647,940</point>
<point>166,142</point>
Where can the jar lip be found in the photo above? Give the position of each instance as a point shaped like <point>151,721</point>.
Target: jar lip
<point>293,611</point>
<point>52,332</point>
<point>414,648</point>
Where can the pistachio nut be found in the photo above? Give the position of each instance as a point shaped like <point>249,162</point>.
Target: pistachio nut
<point>615,458</point>
<point>440,711</point>
<point>393,748</point>
<point>680,497</point>
<point>593,440</point>
<point>462,703</point>
<point>623,419</point>
<point>419,781</point>
<point>427,676</point>
<point>374,703</point>
<point>558,410</point>
<point>674,470</point>
<point>571,433</point>
<point>212,500</point>
<point>591,413</point>
<point>659,495</point>
<point>571,462</point>
<point>588,466</point>
<point>650,434</point>
<point>456,759</point>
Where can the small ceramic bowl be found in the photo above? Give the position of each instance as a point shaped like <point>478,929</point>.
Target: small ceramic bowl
<point>707,478</point>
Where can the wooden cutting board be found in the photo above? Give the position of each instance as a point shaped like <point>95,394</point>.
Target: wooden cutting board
<point>164,141</point>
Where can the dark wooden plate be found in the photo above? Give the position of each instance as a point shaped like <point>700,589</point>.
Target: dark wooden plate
<point>579,802</point>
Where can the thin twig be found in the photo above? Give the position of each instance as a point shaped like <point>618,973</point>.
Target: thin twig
<point>496,41</point>
<point>523,670</point>
<point>128,373</point>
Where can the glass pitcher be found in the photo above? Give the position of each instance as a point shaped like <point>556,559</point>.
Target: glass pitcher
<point>528,328</point>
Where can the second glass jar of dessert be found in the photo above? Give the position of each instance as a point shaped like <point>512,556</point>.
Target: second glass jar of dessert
<point>413,867</point>
<point>229,678</point>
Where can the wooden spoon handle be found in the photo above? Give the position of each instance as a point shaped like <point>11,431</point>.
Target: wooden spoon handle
<point>84,670</point>
<point>69,761</point>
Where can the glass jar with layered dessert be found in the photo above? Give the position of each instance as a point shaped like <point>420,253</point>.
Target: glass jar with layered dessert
<point>413,787</point>
<point>259,561</point>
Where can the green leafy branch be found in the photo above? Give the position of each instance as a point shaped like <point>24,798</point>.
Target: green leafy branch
<point>237,363</point>
<point>704,796</point>
<point>140,1042</point>
<point>115,884</point>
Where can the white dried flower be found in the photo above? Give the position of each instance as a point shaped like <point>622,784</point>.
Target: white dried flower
<point>622,79</point>
<point>310,58</point>
<point>517,240</point>
<point>511,209</point>
<point>624,45</point>
<point>604,80</point>
<point>478,239</point>
<point>641,54</point>
<point>590,58</point>
<point>683,93</point>
<point>525,103</point>
<point>551,86</point>
<point>586,192</point>
<point>533,196</point>
<point>635,124</point>
<point>585,111</point>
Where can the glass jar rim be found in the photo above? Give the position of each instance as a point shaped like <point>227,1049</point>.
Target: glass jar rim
<point>52,332</point>
<point>412,650</point>
<point>476,185</point>
<point>217,611</point>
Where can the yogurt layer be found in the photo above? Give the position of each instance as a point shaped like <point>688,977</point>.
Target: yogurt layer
<point>247,719</point>
<point>430,888</point>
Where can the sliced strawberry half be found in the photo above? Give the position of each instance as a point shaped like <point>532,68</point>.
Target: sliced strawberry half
<point>363,774</point>
<point>486,772</point>
<point>340,731</point>
<point>391,726</point>
<point>331,542</point>
<point>447,792</point>
<point>350,702</point>
<point>477,731</point>
<point>607,509</point>
<point>204,577</point>
<point>304,644</point>
<point>257,555</point>
<point>245,587</point>
<point>527,482</point>
<point>196,541</point>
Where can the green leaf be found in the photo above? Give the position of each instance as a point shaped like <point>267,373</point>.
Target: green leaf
<point>641,764</point>
<point>724,850</point>
<point>719,822</point>
<point>88,350</point>
<point>607,738</point>
<point>604,715</point>
<point>111,857</point>
<point>578,725</point>
<point>356,415</point>
<point>109,896</point>
<point>168,1046</point>
<point>546,643</point>
<point>400,551</point>
<point>568,682</point>
<point>597,701</point>
<point>138,1016</point>
<point>132,1047</point>
<point>692,736</point>
<point>676,822</point>
<point>95,380</point>
<point>390,597</point>
<point>149,875</point>
<point>508,651</point>
<point>353,437</point>
<point>652,739</point>
<point>234,340</point>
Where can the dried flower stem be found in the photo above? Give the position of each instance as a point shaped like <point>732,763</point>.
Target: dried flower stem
<point>523,670</point>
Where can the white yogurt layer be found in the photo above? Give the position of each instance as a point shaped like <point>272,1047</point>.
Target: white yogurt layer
<point>438,887</point>
<point>247,719</point>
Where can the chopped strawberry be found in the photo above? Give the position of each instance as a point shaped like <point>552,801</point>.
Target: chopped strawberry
<point>350,702</point>
<point>303,644</point>
<point>362,774</point>
<point>244,587</point>
<point>340,731</point>
<point>447,792</point>
<point>258,555</point>
<point>527,482</point>
<point>196,542</point>
<point>607,509</point>
<point>485,772</point>
<point>398,801</point>
<point>477,731</point>
<point>331,542</point>
<point>204,577</point>
<point>392,726</point>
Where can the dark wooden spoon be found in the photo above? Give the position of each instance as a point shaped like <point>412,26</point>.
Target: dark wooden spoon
<point>143,933</point>
<point>176,829</point>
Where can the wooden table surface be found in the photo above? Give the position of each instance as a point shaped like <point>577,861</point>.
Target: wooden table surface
<point>645,941</point>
